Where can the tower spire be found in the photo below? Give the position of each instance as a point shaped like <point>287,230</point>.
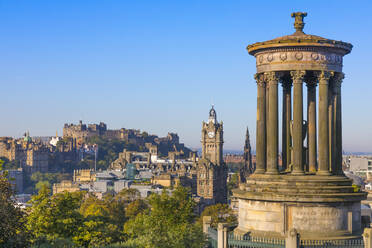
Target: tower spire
<point>248,167</point>
<point>212,115</point>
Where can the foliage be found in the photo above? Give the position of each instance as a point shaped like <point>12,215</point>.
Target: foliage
<point>125,220</point>
<point>233,183</point>
<point>78,217</point>
<point>42,242</point>
<point>235,167</point>
<point>12,229</point>
<point>9,164</point>
<point>128,195</point>
<point>55,217</point>
<point>103,221</point>
<point>169,222</point>
<point>37,180</point>
<point>220,213</point>
<point>136,207</point>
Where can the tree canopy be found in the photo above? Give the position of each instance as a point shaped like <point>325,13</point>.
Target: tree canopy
<point>12,229</point>
<point>81,219</point>
<point>220,213</point>
<point>169,222</point>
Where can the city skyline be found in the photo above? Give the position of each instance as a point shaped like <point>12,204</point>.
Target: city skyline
<point>159,67</point>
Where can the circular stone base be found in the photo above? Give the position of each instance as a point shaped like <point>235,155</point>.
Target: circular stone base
<point>316,206</point>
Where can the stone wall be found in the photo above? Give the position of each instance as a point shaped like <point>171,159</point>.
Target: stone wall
<point>309,219</point>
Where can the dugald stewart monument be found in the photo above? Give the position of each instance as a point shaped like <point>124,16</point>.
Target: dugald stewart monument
<point>309,194</point>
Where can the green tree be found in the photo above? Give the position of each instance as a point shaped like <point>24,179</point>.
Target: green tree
<point>10,164</point>
<point>233,183</point>
<point>136,207</point>
<point>168,223</point>
<point>12,223</point>
<point>55,217</point>
<point>94,229</point>
<point>103,222</point>
<point>35,182</point>
<point>128,195</point>
<point>220,213</point>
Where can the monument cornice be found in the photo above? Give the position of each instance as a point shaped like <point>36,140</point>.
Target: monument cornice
<point>298,44</point>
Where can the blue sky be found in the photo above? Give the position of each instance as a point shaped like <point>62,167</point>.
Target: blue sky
<point>158,65</point>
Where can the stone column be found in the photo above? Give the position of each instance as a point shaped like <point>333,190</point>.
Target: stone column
<point>272,133</point>
<point>286,122</point>
<point>267,119</point>
<point>207,220</point>
<point>311,120</point>
<point>292,239</point>
<point>367,237</point>
<point>323,138</point>
<point>338,125</point>
<point>298,166</point>
<point>261,125</point>
<point>222,235</point>
<point>331,124</point>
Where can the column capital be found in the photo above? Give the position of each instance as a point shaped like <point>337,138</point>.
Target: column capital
<point>337,78</point>
<point>259,77</point>
<point>272,77</point>
<point>298,76</point>
<point>324,76</point>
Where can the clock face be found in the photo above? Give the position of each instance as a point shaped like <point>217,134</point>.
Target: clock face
<point>210,134</point>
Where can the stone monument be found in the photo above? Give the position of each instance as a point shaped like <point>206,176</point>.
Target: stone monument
<point>309,193</point>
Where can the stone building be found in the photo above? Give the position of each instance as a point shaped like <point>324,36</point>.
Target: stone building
<point>65,186</point>
<point>84,175</point>
<point>178,157</point>
<point>171,180</point>
<point>32,156</point>
<point>211,169</point>
<point>82,131</point>
<point>16,179</point>
<point>360,165</point>
<point>310,197</point>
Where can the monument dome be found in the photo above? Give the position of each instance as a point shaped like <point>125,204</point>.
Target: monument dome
<point>299,51</point>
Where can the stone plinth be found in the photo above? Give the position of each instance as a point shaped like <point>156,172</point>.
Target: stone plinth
<point>316,206</point>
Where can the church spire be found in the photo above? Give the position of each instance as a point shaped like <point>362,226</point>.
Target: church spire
<point>248,167</point>
<point>247,140</point>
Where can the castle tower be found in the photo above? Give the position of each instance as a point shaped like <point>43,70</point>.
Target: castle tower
<point>211,170</point>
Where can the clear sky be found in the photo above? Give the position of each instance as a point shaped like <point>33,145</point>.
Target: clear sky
<point>158,65</point>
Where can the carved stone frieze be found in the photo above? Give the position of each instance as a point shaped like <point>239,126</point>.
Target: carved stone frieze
<point>301,59</point>
<point>283,56</point>
<point>299,55</point>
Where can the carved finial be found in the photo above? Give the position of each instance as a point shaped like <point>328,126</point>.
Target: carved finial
<point>299,20</point>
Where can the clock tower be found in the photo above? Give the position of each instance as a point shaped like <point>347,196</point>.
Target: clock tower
<point>211,169</point>
<point>212,139</point>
